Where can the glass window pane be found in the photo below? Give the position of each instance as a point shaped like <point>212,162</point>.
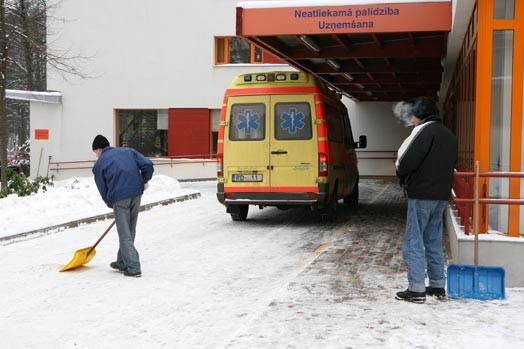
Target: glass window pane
<point>258,55</point>
<point>248,122</point>
<point>521,231</point>
<point>143,130</point>
<point>501,82</point>
<point>239,51</point>
<point>504,9</point>
<point>293,121</point>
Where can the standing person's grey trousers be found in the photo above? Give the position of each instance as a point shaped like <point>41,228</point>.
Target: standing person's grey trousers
<point>126,216</point>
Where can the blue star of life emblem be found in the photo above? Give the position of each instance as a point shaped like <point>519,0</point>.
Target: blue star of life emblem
<point>248,121</point>
<point>292,120</point>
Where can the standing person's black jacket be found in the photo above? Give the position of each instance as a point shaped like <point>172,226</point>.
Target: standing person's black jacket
<point>427,164</point>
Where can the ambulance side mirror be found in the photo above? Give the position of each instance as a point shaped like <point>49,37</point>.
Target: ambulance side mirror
<point>362,142</point>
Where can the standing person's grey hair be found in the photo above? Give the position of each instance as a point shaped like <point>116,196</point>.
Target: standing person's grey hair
<point>423,107</point>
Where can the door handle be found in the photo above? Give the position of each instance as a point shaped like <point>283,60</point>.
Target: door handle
<point>279,152</point>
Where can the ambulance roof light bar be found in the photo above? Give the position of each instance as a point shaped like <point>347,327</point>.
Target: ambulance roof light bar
<point>310,43</point>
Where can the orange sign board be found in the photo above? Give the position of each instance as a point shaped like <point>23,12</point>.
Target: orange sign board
<point>371,18</point>
<point>41,134</point>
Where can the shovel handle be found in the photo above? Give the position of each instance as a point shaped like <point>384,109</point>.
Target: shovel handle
<point>100,239</point>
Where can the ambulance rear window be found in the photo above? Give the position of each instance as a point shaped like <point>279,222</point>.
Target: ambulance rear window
<point>293,121</point>
<point>248,122</point>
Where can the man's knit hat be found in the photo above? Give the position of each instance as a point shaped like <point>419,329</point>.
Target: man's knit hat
<point>423,107</point>
<point>100,142</point>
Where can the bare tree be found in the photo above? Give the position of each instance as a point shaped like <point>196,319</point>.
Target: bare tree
<point>24,56</point>
<point>4,39</point>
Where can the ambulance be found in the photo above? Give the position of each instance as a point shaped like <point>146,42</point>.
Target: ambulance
<point>285,140</point>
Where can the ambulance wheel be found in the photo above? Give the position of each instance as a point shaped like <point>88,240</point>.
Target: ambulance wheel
<point>329,214</point>
<point>238,212</point>
<point>352,199</point>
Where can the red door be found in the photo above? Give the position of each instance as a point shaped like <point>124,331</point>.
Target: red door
<point>189,132</point>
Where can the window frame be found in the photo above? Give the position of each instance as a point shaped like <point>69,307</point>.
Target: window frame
<point>222,58</point>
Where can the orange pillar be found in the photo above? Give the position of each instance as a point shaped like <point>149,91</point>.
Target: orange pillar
<point>486,26</point>
<point>483,97</point>
<point>516,113</point>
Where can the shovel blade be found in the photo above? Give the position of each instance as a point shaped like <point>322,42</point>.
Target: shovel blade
<point>476,282</point>
<point>80,258</point>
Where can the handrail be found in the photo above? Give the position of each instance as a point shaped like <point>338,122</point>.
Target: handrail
<point>394,157</point>
<point>463,195</point>
<point>158,161</point>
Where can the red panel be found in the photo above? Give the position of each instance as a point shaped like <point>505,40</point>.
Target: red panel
<point>42,134</point>
<point>366,18</point>
<point>269,58</point>
<point>189,132</point>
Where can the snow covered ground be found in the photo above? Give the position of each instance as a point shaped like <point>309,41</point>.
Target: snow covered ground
<point>70,200</point>
<point>209,282</point>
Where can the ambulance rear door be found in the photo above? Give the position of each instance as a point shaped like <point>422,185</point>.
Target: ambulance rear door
<point>246,145</point>
<point>293,147</point>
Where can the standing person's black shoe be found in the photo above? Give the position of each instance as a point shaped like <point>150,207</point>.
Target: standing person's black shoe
<point>135,274</point>
<point>436,291</point>
<point>117,266</point>
<point>409,296</point>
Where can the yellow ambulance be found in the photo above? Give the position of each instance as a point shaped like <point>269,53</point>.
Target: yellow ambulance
<point>285,140</point>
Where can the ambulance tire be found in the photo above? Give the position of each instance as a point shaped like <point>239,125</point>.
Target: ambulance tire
<point>238,212</point>
<point>352,199</point>
<point>329,214</point>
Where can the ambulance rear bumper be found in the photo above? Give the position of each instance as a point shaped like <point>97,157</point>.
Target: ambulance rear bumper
<point>272,199</point>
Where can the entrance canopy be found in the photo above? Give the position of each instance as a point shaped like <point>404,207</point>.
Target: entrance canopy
<point>367,50</point>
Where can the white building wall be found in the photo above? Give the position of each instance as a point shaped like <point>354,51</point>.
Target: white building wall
<point>384,134</point>
<point>141,55</point>
<point>155,55</point>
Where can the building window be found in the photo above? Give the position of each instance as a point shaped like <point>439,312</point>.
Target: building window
<point>143,130</point>
<point>235,50</point>
<point>504,9</point>
<point>501,82</point>
<point>215,121</point>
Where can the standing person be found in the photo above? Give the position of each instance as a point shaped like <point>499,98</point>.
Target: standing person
<point>425,165</point>
<point>120,175</point>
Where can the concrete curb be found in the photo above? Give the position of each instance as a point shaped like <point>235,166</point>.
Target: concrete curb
<point>11,239</point>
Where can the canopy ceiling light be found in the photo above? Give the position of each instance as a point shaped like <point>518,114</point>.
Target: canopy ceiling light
<point>312,45</point>
<point>348,76</point>
<point>334,64</point>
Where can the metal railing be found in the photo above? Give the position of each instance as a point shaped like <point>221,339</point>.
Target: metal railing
<point>464,196</point>
<point>365,155</point>
<point>57,166</point>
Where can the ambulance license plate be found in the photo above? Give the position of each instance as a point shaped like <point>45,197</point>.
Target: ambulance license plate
<point>247,177</point>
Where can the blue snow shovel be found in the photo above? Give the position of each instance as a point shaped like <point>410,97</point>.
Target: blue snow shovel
<point>473,281</point>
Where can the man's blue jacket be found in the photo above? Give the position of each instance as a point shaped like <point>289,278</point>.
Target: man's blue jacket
<point>120,173</point>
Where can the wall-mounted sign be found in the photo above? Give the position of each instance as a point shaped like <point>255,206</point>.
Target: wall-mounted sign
<point>370,18</point>
<point>41,134</point>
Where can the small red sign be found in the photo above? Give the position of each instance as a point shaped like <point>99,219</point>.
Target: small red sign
<point>42,134</point>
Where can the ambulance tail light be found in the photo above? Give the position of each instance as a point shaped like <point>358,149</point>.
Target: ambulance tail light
<point>220,166</point>
<point>322,165</point>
